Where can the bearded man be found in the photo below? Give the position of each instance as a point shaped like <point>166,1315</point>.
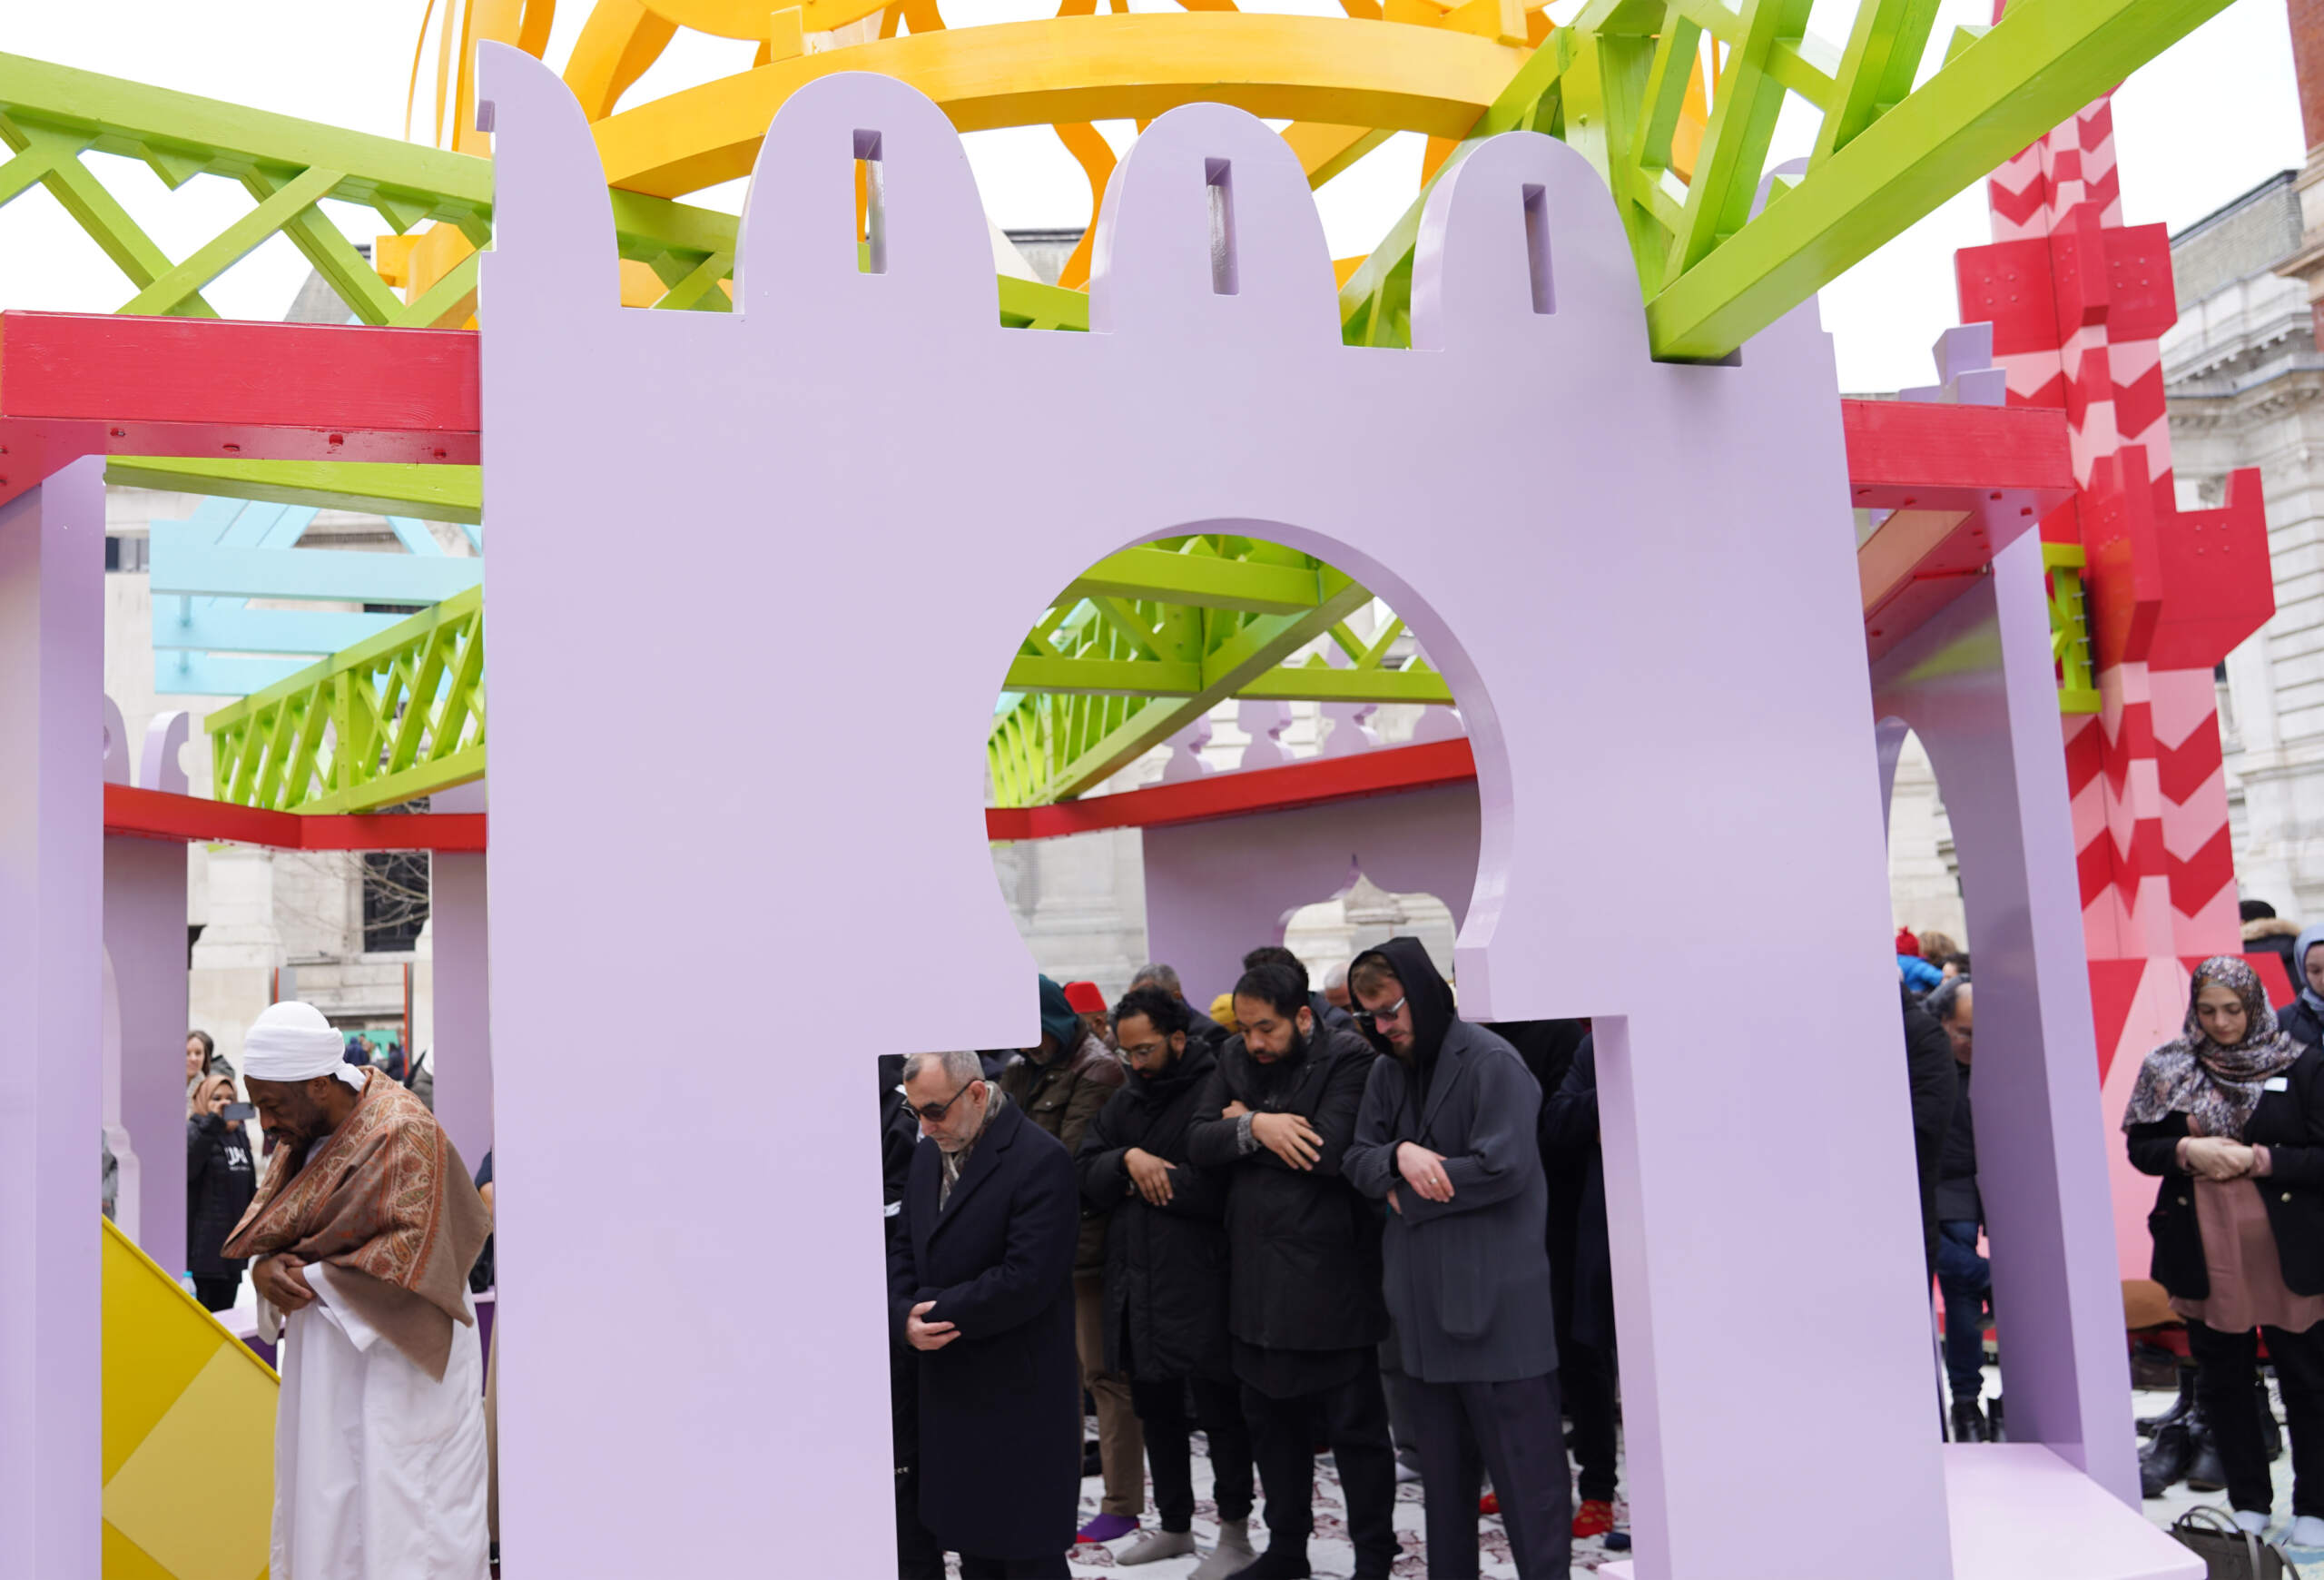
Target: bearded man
<point>363,1232</point>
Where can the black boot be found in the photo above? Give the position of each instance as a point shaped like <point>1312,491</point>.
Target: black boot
<point>1969,1423</point>
<point>2163,1462</point>
<point>2271,1432</point>
<point>2185,1402</point>
<point>1996,1425</point>
<point>2204,1471</point>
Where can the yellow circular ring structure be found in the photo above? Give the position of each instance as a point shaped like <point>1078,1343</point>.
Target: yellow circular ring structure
<point>1070,69</point>
<point>1345,83</point>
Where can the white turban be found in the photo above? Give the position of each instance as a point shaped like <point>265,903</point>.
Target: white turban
<point>292,1042</point>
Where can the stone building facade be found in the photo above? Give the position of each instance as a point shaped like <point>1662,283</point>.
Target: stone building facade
<point>2243,373</point>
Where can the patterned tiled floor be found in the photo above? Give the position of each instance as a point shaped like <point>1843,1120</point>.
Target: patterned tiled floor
<point>1328,1550</point>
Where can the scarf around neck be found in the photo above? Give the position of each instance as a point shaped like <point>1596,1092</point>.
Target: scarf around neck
<point>2217,1088</point>
<point>386,1200</point>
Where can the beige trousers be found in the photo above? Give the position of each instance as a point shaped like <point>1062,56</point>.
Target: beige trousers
<point>1121,1443</point>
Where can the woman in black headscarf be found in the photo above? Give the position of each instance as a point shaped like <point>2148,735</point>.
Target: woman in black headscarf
<point>2230,1114</point>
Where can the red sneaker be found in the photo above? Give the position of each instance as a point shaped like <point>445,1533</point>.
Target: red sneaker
<point>1490,1504</point>
<point>1593,1518</point>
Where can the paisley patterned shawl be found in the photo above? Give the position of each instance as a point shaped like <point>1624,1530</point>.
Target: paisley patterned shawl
<point>387,1202</point>
<point>2217,1088</point>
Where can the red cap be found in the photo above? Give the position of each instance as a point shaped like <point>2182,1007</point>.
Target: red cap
<point>1085,998</point>
<point>1906,944</point>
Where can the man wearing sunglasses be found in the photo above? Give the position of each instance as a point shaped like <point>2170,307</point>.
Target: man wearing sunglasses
<point>1447,1138</point>
<point>981,1288</point>
<point>1304,1302</point>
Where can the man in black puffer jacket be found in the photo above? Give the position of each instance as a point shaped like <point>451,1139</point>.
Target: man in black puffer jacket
<point>1165,1279</point>
<point>1305,1308</point>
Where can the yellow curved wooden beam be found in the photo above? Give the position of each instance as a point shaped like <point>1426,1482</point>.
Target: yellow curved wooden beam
<point>619,41</point>
<point>1086,68</point>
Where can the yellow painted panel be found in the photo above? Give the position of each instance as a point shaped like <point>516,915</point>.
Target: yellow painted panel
<point>122,1559</point>
<point>198,1494</point>
<point>1131,67</point>
<point>157,1338</point>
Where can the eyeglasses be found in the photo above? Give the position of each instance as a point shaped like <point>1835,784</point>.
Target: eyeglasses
<point>1373,1017</point>
<point>935,1111</point>
<point>1141,1050</point>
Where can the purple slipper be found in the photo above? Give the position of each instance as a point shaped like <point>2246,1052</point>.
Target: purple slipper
<point>1106,1527</point>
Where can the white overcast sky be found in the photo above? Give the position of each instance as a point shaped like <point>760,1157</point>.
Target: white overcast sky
<point>2206,122</point>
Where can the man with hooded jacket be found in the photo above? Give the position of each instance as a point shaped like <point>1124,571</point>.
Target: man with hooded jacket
<point>1304,1306</point>
<point>1446,1137</point>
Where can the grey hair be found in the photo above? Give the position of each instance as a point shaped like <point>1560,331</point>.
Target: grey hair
<point>1156,972</point>
<point>1335,977</point>
<point>961,1065</point>
<point>1946,997</point>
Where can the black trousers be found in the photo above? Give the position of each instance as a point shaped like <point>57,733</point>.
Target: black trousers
<point>1354,1418</point>
<point>975,1568</point>
<point>2223,1378</point>
<point>1161,1409</point>
<point>918,1555</point>
<point>1510,1428</point>
<point>217,1294</point>
<point>1585,1380</point>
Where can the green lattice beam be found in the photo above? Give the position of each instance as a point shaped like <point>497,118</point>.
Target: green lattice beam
<point>1886,154</point>
<point>1151,638</point>
<point>50,115</point>
<point>398,715</point>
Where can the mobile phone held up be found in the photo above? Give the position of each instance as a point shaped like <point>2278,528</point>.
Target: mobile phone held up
<point>239,1113</point>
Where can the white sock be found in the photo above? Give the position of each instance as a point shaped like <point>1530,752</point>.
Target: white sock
<point>2307,1531</point>
<point>2255,1520</point>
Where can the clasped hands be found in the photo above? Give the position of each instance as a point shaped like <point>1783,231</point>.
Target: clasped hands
<point>279,1280</point>
<point>1423,1170</point>
<point>1286,1135</point>
<point>2217,1158</point>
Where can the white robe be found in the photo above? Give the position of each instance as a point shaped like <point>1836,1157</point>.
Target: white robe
<point>378,1472</point>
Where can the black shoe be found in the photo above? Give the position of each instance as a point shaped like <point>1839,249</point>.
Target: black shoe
<point>1995,1432</point>
<point>2204,1471</point>
<point>2270,1431</point>
<point>2164,1461</point>
<point>1281,1561</point>
<point>2185,1402</point>
<point>1969,1423</point>
<point>1093,1463</point>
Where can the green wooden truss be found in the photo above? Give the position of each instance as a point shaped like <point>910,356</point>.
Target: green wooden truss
<point>1715,268</point>
<point>1149,639</point>
<point>392,718</point>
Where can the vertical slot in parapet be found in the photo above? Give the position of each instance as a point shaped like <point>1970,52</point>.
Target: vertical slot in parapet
<point>1537,249</point>
<point>870,207</point>
<point>1219,176</point>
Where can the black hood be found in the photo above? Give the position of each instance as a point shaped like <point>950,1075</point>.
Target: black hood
<point>1429,997</point>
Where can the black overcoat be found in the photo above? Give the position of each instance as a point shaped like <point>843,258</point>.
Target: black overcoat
<point>2290,1124</point>
<point>1166,1267</point>
<point>1581,1257</point>
<point>1000,1406</point>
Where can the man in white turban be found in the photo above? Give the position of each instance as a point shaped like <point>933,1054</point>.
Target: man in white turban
<point>363,1232</point>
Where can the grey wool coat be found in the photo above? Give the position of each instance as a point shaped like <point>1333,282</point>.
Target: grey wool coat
<point>1467,1280</point>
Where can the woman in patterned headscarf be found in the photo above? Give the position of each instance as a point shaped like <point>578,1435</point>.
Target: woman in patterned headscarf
<point>2230,1114</point>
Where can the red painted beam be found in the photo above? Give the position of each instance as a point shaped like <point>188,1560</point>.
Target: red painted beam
<point>1309,782</point>
<point>159,814</point>
<point>74,384</point>
<point>1898,446</point>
